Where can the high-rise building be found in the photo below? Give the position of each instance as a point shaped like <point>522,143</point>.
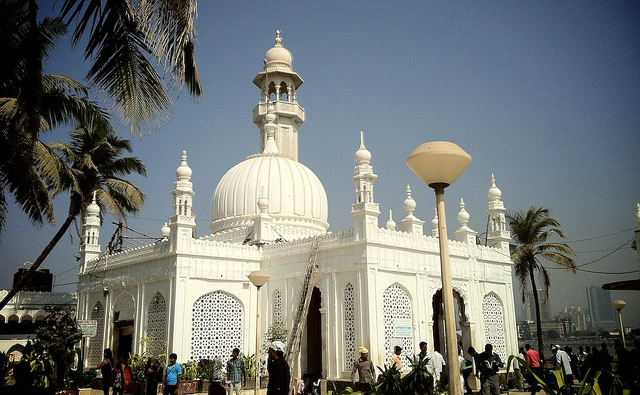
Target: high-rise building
<point>530,307</point>
<point>600,308</point>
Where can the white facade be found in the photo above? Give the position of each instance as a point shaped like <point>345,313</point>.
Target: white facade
<point>376,286</point>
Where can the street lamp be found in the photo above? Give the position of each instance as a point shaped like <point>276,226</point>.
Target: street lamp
<point>439,164</point>
<point>619,305</point>
<point>258,278</point>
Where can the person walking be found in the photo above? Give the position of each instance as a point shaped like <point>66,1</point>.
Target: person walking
<point>235,373</point>
<point>105,368</point>
<point>172,374</point>
<point>278,368</point>
<point>563,364</point>
<point>366,371</point>
<point>490,363</point>
<point>533,360</point>
<point>437,364</point>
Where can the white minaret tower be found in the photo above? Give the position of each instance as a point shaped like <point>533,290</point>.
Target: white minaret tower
<point>278,84</point>
<point>89,248</point>
<point>498,235</point>
<point>183,222</point>
<point>364,211</point>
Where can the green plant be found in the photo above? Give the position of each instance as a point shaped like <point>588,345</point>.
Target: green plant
<point>249,364</point>
<point>204,369</point>
<point>276,332</point>
<point>419,380</point>
<point>189,370</point>
<point>138,366</point>
<point>390,384</point>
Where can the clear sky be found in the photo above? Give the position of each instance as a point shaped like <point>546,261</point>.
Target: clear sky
<point>545,95</point>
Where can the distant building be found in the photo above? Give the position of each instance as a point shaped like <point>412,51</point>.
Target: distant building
<point>42,280</point>
<point>574,318</point>
<point>600,308</point>
<point>530,307</point>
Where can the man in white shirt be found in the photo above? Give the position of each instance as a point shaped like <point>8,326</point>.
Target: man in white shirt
<point>437,366</point>
<point>564,362</point>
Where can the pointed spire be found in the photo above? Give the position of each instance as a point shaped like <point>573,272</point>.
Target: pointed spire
<point>183,172</point>
<point>270,146</point>
<point>363,156</point>
<point>391,224</point>
<point>494,193</point>
<point>278,39</point>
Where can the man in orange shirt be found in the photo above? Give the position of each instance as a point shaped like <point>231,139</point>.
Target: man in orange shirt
<point>533,360</point>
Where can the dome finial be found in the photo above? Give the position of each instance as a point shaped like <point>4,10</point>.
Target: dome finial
<point>278,39</point>
<point>494,193</point>
<point>463,215</point>
<point>409,203</point>
<point>362,154</point>
<point>183,172</point>
<point>391,224</point>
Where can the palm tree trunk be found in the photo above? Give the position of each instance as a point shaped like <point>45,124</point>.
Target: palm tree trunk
<point>43,255</point>
<point>538,319</point>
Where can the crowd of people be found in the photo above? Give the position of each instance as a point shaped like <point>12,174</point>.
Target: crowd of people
<point>619,367</point>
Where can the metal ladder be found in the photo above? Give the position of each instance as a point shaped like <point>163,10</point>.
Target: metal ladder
<point>292,350</point>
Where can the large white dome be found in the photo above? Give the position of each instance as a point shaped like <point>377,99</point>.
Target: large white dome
<point>296,197</point>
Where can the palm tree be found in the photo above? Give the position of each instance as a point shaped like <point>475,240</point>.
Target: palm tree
<point>90,163</point>
<point>124,36</point>
<point>32,103</point>
<point>530,231</point>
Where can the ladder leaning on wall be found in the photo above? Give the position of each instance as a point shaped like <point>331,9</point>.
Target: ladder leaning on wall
<point>292,350</point>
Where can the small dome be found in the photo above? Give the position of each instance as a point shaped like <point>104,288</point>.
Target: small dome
<point>362,154</point>
<point>93,208</point>
<point>278,58</point>
<point>409,204</point>
<point>295,195</point>
<point>183,172</point>
<point>494,192</point>
<point>165,230</point>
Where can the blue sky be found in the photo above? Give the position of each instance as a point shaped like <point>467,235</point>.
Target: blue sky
<point>545,95</point>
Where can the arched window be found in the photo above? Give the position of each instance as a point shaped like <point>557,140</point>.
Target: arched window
<point>493,324</point>
<point>95,343</point>
<point>398,325</point>
<point>349,331</point>
<point>156,326</point>
<point>277,306</point>
<point>216,326</point>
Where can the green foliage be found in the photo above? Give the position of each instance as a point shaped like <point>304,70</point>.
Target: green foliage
<point>391,383</point>
<point>189,370</point>
<point>204,369</point>
<point>138,364</point>
<point>276,332</point>
<point>419,379</point>
<point>249,364</point>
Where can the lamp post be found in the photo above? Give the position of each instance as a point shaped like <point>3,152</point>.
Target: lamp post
<point>619,305</point>
<point>439,164</point>
<point>258,278</point>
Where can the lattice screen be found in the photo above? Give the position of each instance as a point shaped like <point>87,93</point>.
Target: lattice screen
<point>493,324</point>
<point>95,343</point>
<point>277,306</point>
<point>349,328</point>
<point>217,326</point>
<point>156,325</point>
<point>398,324</point>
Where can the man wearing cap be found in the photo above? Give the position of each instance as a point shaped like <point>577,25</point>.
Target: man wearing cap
<point>278,368</point>
<point>563,361</point>
<point>366,371</point>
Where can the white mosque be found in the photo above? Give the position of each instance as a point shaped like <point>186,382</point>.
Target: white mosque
<point>376,286</point>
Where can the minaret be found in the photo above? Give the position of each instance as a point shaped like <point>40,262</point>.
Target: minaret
<point>89,248</point>
<point>364,211</point>
<point>183,222</point>
<point>278,84</point>
<point>498,235</point>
